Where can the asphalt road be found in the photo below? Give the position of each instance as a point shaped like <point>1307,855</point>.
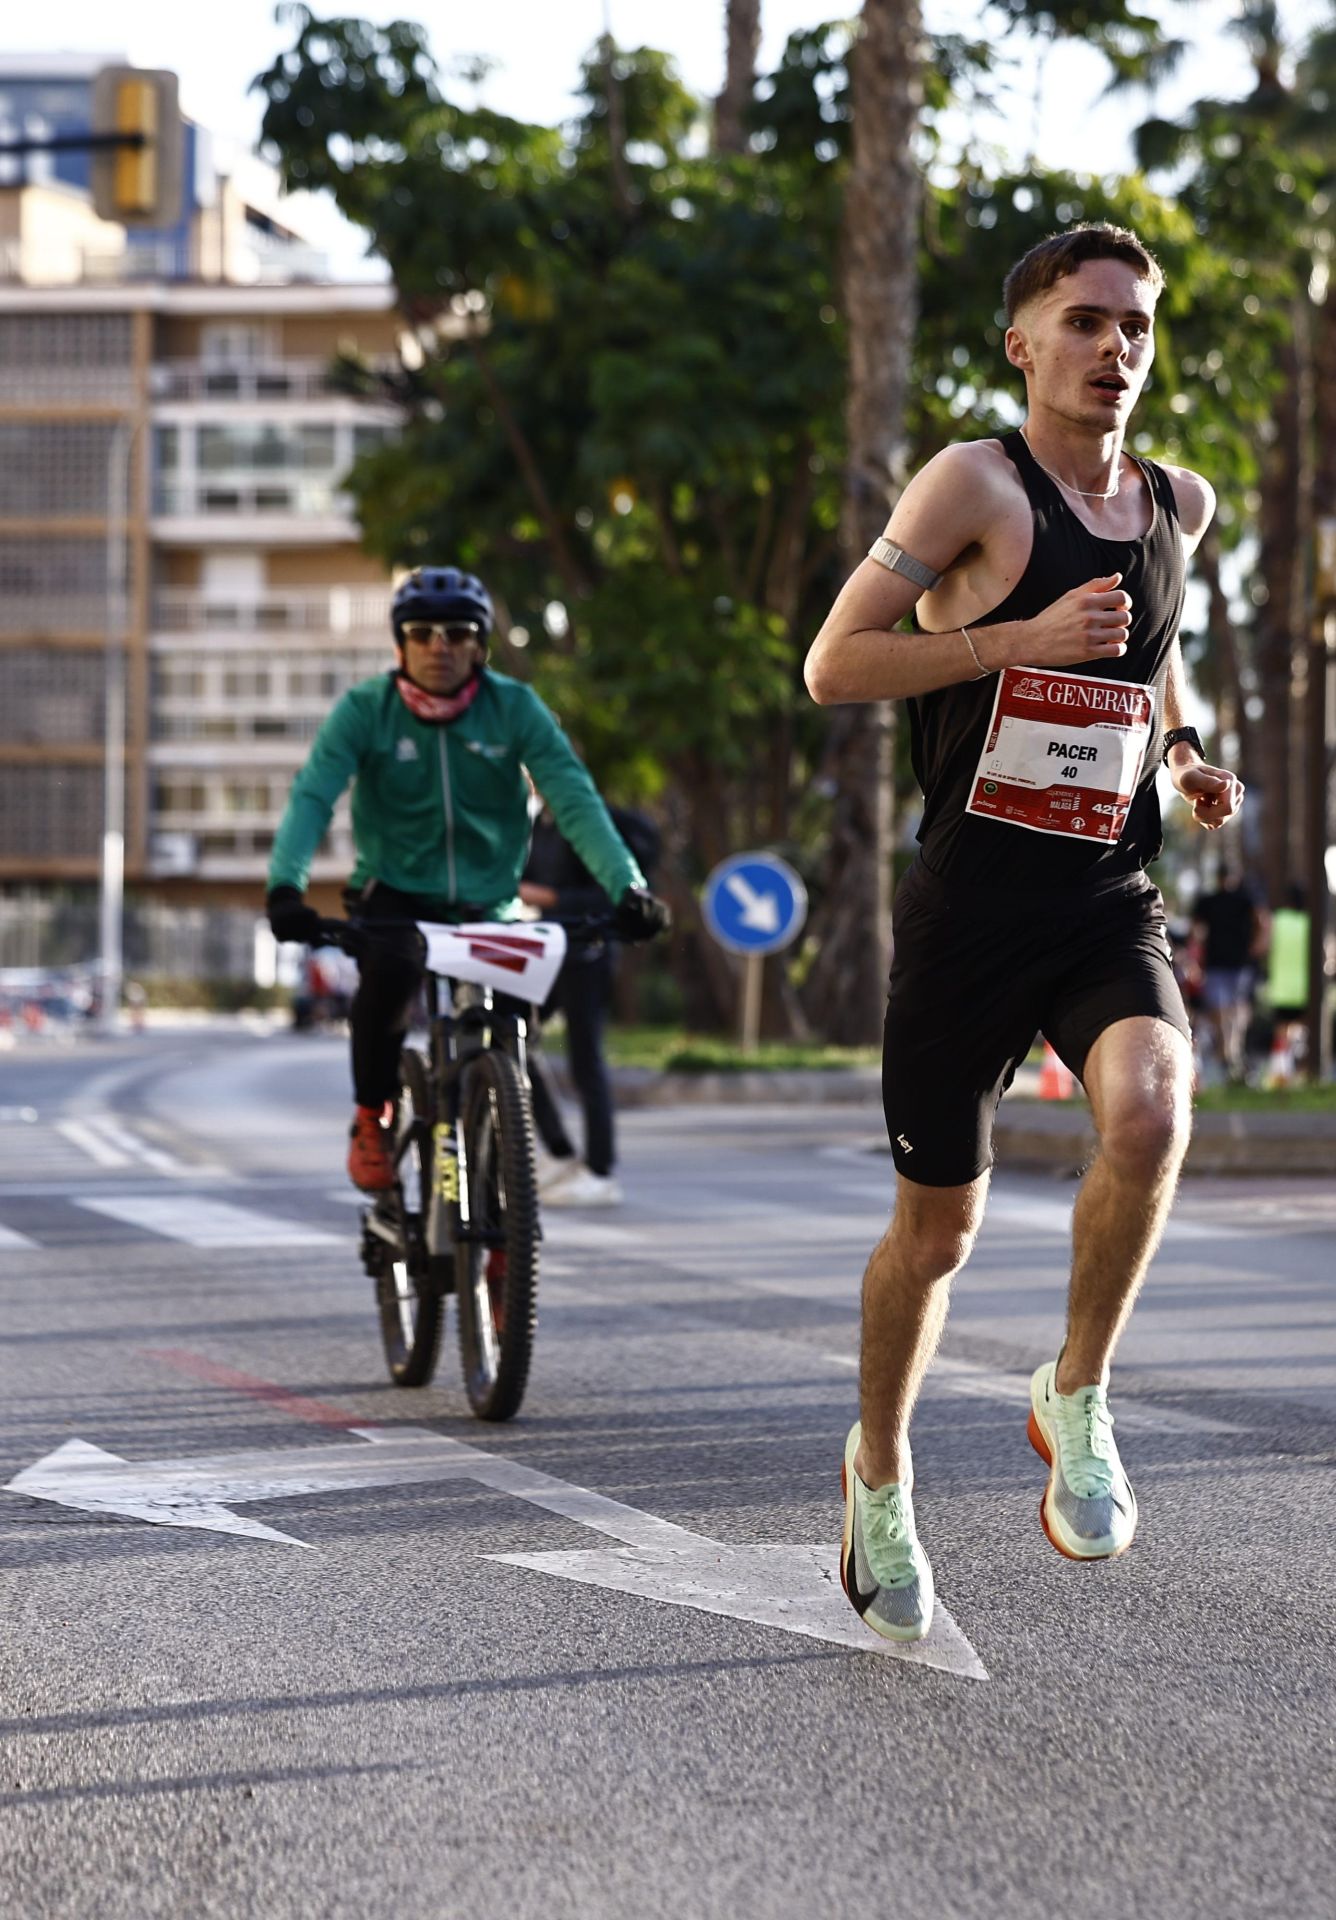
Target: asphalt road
<point>375,1714</point>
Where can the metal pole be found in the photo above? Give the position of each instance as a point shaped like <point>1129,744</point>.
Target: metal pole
<point>1322,640</point>
<point>753,973</point>
<point>111,904</point>
<point>1318,826</point>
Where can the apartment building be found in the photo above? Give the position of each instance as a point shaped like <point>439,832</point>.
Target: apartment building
<point>172,467</point>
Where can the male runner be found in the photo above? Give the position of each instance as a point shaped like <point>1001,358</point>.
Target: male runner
<point>437,749</point>
<point>1047,570</point>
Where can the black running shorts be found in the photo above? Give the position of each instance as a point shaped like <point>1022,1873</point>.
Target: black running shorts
<point>977,974</point>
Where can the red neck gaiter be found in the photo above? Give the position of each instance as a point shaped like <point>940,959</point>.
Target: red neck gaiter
<point>437,707</point>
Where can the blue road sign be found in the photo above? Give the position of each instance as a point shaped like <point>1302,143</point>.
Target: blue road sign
<point>754,903</point>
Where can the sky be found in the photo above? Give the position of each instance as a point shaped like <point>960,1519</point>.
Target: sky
<point>537,45</point>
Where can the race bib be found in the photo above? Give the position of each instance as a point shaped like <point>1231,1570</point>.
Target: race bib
<point>1064,752</point>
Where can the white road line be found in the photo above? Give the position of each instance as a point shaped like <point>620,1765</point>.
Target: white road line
<point>81,1134</point>
<point>121,1138</point>
<point>1020,1209</point>
<point>103,1138</point>
<point>16,1242</point>
<point>963,1376</point>
<point>207,1223</point>
<point>562,1232</point>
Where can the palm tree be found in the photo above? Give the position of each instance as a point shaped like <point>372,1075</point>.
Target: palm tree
<point>744,40</point>
<point>1258,181</point>
<point>847,985</point>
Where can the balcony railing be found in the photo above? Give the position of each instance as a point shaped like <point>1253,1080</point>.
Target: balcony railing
<point>51,263</point>
<point>310,499</point>
<point>174,380</point>
<point>355,611</point>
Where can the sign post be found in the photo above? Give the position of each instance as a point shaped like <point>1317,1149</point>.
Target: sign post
<point>754,904</point>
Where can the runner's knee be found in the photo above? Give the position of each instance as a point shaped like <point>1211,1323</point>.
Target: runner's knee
<point>1145,1138</point>
<point>934,1230</point>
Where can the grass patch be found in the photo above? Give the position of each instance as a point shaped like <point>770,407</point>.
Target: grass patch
<point>670,1050</point>
<point>1303,1099</point>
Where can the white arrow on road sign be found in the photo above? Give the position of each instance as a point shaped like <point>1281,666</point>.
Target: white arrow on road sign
<point>759,910</point>
<point>794,1588</point>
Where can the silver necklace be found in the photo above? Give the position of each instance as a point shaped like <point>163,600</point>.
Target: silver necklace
<point>1084,492</point>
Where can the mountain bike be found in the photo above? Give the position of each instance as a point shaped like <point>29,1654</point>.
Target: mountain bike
<point>462,1216</point>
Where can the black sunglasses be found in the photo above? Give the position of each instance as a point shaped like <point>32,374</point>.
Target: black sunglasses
<point>456,632</point>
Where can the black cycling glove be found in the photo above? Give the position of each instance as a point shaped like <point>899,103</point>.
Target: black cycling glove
<point>290,917</point>
<point>640,916</point>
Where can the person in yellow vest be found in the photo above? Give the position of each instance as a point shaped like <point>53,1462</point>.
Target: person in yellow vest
<point>1287,986</point>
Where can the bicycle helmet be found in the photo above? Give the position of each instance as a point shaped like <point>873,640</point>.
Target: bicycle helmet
<point>439,594</point>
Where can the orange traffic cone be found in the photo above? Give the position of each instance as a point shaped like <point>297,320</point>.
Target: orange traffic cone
<point>1280,1067</point>
<point>1056,1081</point>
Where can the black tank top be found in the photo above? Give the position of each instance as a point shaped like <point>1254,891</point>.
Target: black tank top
<point>948,727</point>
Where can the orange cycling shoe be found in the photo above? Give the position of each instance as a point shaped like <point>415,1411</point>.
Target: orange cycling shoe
<point>369,1164</point>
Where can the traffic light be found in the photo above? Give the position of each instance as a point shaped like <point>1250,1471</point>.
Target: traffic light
<point>138,166</point>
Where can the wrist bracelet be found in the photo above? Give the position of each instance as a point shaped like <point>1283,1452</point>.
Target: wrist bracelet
<point>974,654</point>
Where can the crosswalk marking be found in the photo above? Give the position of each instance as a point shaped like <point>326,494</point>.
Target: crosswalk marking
<point>15,1241</point>
<point>207,1223</point>
<point>105,1140</point>
<point>81,1134</point>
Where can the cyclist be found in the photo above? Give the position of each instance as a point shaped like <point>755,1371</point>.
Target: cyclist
<point>1045,689</point>
<point>436,750</point>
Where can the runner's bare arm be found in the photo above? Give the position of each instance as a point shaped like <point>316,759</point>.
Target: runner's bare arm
<point>1214,794</point>
<point>944,513</point>
<point>1196,505</point>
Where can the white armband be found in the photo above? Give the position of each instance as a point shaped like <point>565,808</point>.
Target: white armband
<point>896,560</point>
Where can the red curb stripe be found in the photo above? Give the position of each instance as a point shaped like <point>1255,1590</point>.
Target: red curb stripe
<point>296,1404</point>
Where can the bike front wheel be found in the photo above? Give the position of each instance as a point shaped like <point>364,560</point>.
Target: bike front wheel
<point>408,1296</point>
<point>496,1259</point>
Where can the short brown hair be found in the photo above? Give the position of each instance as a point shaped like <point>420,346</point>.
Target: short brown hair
<point>1062,253</point>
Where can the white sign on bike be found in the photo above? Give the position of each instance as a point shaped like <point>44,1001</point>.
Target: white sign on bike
<point>520,958</point>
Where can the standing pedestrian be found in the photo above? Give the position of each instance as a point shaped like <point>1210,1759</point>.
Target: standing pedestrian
<point>1045,687</point>
<point>1233,933</point>
<point>1287,986</point>
<point>559,885</point>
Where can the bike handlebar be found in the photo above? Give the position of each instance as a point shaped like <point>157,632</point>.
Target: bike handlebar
<point>352,936</point>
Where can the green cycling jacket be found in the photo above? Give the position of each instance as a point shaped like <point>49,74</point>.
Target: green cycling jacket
<point>443,810</point>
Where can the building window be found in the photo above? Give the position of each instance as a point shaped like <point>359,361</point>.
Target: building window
<point>54,469</point>
<point>53,585</point>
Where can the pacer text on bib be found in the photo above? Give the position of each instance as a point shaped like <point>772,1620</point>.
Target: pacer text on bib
<point>1064,752</point>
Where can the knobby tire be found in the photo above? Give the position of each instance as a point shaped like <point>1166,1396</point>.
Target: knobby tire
<point>410,1302</point>
<point>496,1273</point>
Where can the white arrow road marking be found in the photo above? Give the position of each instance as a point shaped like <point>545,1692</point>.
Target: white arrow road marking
<point>794,1588</point>
<point>9,1238</point>
<point>759,910</point>
<point>962,1376</point>
<point>207,1223</point>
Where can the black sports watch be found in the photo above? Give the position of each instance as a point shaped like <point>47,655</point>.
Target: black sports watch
<point>1176,735</point>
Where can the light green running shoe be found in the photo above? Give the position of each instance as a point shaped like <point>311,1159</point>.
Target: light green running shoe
<point>1089,1510</point>
<point>883,1569</point>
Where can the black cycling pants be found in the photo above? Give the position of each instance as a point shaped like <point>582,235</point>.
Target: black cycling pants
<point>389,981</point>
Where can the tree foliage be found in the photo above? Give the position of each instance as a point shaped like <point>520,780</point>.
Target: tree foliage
<point>624,402</point>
